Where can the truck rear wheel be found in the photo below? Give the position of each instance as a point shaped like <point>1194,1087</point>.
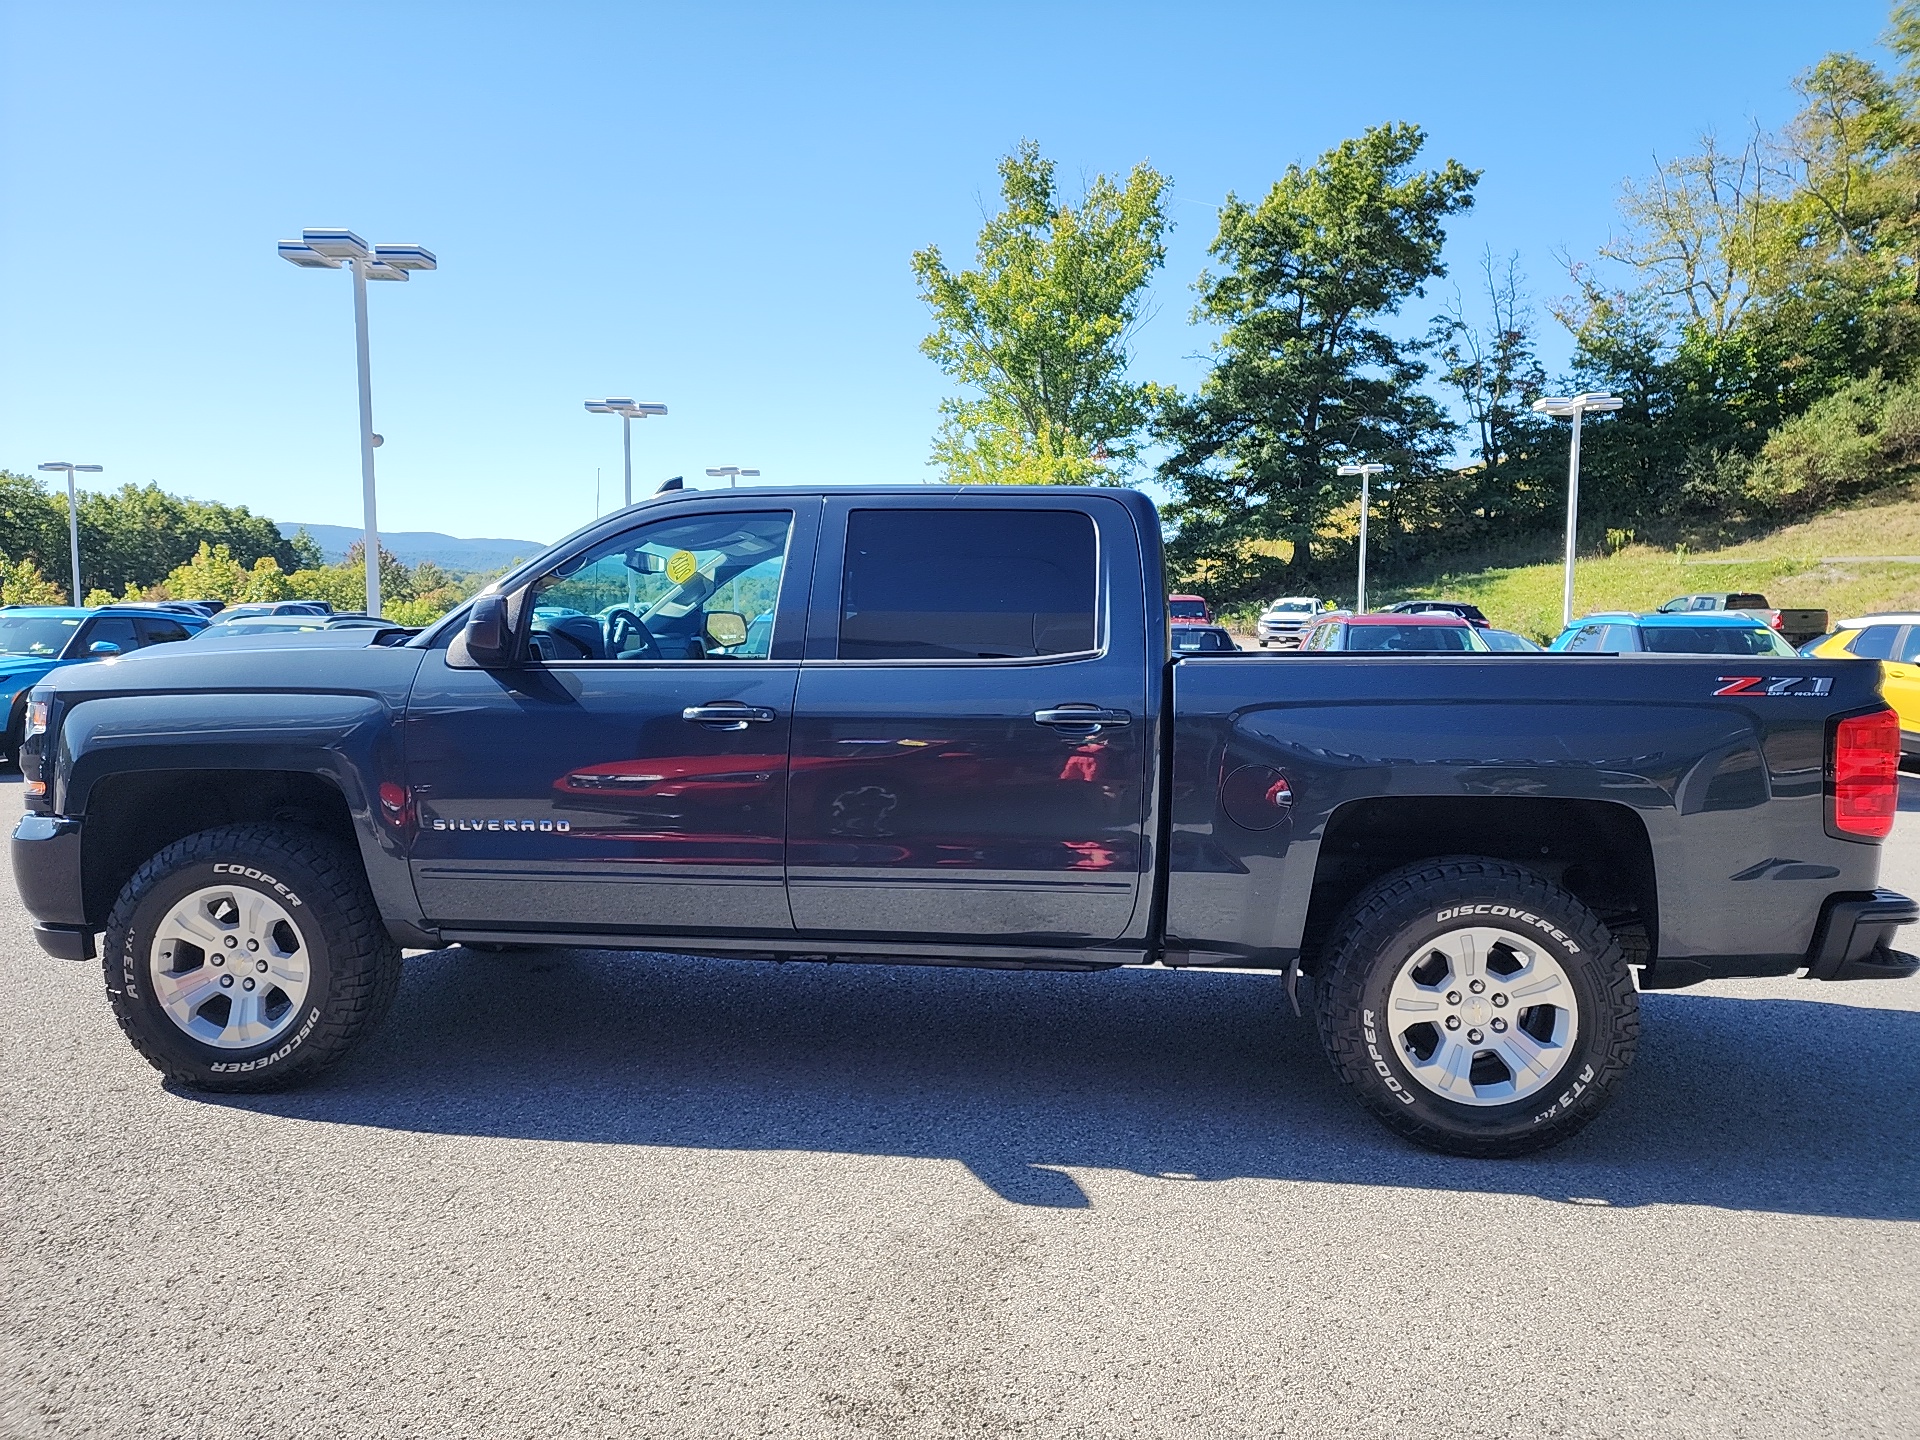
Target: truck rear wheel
<point>248,958</point>
<point>1476,1008</point>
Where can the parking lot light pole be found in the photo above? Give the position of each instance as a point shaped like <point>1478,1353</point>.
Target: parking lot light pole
<point>1366,473</point>
<point>73,513</point>
<point>628,411</point>
<point>329,249</point>
<point>1573,407</point>
<point>732,472</point>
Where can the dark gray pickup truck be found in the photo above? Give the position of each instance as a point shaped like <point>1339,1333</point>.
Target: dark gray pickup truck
<point>945,727</point>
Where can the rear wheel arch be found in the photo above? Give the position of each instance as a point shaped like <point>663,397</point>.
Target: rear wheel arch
<point>1597,850</point>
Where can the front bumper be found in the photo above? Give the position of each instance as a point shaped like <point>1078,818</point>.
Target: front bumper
<point>46,868</point>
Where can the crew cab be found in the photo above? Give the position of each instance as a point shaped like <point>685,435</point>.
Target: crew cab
<point>963,739</point>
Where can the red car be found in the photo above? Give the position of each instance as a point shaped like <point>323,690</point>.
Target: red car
<point>1189,610</point>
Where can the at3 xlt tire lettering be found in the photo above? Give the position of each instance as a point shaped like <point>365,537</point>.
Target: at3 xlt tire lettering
<point>351,964</point>
<point>1422,909</point>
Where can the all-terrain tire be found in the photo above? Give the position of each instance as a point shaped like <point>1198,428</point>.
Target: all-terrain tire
<point>1420,909</point>
<point>352,964</point>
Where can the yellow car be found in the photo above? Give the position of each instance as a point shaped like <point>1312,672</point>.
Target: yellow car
<point>1893,640</point>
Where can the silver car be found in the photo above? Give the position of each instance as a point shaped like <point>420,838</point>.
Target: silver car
<point>1284,621</point>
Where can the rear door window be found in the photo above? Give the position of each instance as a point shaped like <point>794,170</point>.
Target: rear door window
<point>968,584</point>
<point>1621,639</point>
<point>161,632</point>
<point>1875,642</point>
<point>1702,602</point>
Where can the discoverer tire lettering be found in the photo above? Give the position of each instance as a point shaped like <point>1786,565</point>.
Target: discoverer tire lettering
<point>352,964</point>
<point>1382,935</point>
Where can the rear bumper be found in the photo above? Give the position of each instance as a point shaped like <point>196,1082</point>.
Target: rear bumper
<point>1853,940</point>
<point>46,868</point>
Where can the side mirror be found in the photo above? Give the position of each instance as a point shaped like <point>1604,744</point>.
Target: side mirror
<point>100,649</point>
<point>486,638</point>
<point>726,628</point>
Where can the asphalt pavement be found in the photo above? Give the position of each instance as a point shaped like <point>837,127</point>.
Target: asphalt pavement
<point>583,1193</point>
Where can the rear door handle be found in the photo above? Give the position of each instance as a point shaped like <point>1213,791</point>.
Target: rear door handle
<point>1081,719</point>
<point>727,715</point>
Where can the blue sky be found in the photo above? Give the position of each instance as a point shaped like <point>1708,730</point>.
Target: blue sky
<point>711,206</point>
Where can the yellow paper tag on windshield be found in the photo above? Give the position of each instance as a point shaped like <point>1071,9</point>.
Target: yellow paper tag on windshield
<point>680,566</point>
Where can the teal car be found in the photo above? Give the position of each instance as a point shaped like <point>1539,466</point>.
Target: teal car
<point>36,639</point>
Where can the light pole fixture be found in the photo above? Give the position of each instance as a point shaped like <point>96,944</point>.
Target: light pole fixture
<point>732,472</point>
<point>329,249</point>
<point>1573,407</point>
<point>628,411</point>
<point>73,514</point>
<point>1366,473</point>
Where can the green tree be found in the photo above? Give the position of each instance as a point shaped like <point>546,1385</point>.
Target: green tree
<point>1305,375</point>
<point>305,552</point>
<point>33,524</point>
<point>1494,369</point>
<point>1038,331</point>
<point>21,583</point>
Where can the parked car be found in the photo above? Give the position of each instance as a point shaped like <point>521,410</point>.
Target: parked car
<point>289,624</point>
<point>968,744</point>
<point>1470,613</point>
<point>36,639</point>
<point>1189,610</point>
<point>1510,642</point>
<point>1894,641</point>
<point>1202,640</point>
<point>253,609</point>
<point>1381,632</point>
<point>1284,621</point>
<point>1797,626</point>
<point>1730,632</point>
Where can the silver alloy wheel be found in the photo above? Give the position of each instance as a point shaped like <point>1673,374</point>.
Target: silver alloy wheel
<point>1482,1016</point>
<point>229,966</point>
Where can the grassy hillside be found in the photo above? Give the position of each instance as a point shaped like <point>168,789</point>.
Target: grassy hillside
<point>1845,561</point>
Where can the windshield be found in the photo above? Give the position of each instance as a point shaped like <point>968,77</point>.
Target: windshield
<point>1187,609</point>
<point>1198,639</point>
<point>1712,640</point>
<point>264,627</point>
<point>1292,607</point>
<point>36,634</point>
<point>1409,637</point>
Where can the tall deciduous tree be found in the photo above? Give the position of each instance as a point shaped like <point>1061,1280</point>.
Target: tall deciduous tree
<point>1490,362</point>
<point>1306,376</point>
<point>1038,331</point>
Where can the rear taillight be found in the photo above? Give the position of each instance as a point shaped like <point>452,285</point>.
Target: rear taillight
<point>1865,790</point>
<point>1777,622</point>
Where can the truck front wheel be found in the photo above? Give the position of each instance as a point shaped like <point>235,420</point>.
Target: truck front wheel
<point>1476,1008</point>
<point>248,958</point>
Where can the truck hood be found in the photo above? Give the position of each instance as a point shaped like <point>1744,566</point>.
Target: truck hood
<point>316,661</point>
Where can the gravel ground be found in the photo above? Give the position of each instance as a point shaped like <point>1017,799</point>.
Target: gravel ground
<point>584,1193</point>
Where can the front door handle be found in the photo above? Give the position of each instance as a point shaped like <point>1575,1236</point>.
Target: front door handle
<point>1081,719</point>
<point>727,715</point>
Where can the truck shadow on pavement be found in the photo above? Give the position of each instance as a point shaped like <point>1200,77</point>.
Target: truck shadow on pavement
<point>1802,1107</point>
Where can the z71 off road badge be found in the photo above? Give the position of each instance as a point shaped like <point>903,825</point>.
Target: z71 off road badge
<point>1774,684</point>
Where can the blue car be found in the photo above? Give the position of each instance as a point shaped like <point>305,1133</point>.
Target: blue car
<point>35,639</point>
<point>1723,632</point>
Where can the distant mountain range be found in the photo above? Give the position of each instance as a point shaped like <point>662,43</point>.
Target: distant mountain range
<point>410,547</point>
